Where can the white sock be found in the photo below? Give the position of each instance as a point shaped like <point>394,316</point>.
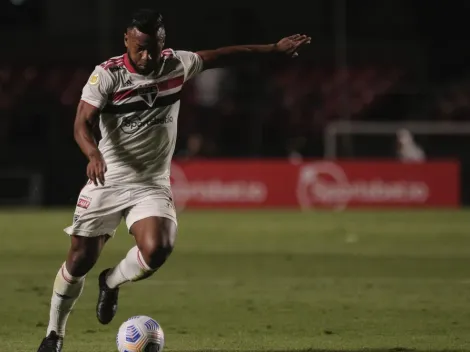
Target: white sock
<point>66,291</point>
<point>131,268</point>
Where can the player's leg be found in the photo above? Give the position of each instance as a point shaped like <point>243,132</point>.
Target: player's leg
<point>69,281</point>
<point>68,286</point>
<point>88,234</point>
<point>155,237</point>
<point>153,224</point>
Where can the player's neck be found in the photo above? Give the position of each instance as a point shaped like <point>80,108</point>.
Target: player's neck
<point>132,67</point>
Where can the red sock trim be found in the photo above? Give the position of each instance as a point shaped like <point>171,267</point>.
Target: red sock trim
<point>70,281</point>
<point>141,261</point>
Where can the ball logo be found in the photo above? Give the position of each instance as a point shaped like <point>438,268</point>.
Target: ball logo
<point>326,184</point>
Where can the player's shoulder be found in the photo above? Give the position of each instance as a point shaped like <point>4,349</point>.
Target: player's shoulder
<point>107,73</point>
<point>177,54</point>
<point>113,64</point>
<point>169,53</point>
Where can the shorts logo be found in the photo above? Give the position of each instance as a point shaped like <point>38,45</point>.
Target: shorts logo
<point>84,202</point>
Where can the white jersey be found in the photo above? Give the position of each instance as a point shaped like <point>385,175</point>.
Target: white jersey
<point>139,114</point>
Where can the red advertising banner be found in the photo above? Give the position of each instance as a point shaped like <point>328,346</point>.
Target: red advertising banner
<point>316,184</point>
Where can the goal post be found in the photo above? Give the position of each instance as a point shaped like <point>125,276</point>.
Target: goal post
<point>335,130</point>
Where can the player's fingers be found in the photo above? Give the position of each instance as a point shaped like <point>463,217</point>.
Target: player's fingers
<point>99,173</point>
<point>302,39</point>
<point>94,172</point>
<point>92,176</point>
<point>101,178</point>
<point>305,41</point>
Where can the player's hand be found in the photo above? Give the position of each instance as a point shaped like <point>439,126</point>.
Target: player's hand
<point>96,169</point>
<point>291,45</point>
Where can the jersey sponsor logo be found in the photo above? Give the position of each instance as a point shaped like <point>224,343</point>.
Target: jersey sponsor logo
<point>128,83</point>
<point>94,79</point>
<point>132,124</point>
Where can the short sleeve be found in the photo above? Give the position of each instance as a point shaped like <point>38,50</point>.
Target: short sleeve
<point>192,63</point>
<point>99,86</point>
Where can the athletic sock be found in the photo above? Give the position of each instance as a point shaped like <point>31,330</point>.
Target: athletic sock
<point>67,289</point>
<point>131,268</point>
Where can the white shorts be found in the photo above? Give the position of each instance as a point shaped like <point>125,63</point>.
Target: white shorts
<point>100,209</point>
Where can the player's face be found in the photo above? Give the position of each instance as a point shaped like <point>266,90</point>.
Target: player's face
<point>144,50</point>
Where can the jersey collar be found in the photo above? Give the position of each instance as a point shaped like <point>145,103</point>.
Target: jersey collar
<point>128,64</point>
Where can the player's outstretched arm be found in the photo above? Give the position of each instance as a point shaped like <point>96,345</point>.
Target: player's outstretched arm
<point>230,55</point>
<point>86,117</point>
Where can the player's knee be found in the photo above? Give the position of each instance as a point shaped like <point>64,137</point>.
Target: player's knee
<point>156,252</point>
<point>83,254</point>
<point>159,245</point>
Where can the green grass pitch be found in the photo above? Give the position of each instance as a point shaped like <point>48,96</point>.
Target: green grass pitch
<point>259,281</point>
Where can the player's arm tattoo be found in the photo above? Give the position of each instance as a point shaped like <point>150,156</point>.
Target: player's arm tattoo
<point>86,117</point>
<point>230,55</point>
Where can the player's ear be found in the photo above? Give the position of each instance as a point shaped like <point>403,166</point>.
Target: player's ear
<point>125,39</point>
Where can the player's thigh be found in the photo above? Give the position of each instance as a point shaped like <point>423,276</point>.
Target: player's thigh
<point>154,233</point>
<point>153,222</point>
<point>98,212</point>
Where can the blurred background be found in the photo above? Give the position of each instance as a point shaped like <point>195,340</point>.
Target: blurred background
<point>374,61</point>
<point>385,62</point>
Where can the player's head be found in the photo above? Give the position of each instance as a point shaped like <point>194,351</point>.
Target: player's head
<point>144,39</point>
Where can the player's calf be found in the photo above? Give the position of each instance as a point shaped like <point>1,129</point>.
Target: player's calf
<point>83,254</point>
<point>68,286</point>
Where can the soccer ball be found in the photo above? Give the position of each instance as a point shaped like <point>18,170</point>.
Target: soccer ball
<point>140,334</point>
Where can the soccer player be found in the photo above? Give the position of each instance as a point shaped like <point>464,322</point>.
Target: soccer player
<point>135,98</point>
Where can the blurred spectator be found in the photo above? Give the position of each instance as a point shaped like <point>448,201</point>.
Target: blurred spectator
<point>210,86</point>
<point>294,149</point>
<point>193,148</point>
<point>407,149</point>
